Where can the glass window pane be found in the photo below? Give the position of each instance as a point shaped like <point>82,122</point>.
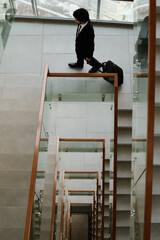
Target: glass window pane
<point>109,9</point>
<point>116,10</point>
<point>24,8</point>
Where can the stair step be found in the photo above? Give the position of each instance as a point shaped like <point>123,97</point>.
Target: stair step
<point>157,73</point>
<point>122,233</point>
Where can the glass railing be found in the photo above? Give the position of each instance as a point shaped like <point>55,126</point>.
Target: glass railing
<point>35,230</point>
<point>137,206</point>
<point>98,9</point>
<point>140,109</point>
<point>84,89</point>
<point>7,12</point>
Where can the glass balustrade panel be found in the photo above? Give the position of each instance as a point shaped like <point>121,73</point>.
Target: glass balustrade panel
<point>41,173</point>
<point>140,108</point>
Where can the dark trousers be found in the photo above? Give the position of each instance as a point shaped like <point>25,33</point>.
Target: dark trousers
<point>93,62</point>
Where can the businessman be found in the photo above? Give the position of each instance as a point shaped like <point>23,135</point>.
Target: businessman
<point>84,43</point>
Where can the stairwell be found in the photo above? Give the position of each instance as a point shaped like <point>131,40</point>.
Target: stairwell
<point>20,96</point>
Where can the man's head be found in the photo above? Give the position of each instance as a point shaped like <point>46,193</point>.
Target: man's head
<point>81,15</point>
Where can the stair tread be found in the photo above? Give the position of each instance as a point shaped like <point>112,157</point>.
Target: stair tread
<point>157,73</point>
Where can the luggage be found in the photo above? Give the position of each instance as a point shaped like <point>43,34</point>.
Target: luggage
<point>110,67</point>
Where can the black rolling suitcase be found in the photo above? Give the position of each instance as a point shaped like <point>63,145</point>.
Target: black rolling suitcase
<point>110,67</point>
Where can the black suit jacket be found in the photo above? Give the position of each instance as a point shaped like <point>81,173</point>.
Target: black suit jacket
<point>85,41</point>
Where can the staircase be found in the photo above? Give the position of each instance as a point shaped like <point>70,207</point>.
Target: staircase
<point>18,124</point>
<point>124,153</point>
<point>106,201</point>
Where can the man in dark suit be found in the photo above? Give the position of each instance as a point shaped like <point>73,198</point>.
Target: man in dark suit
<point>84,45</point>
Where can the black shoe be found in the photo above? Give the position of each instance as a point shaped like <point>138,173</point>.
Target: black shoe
<point>93,70</point>
<point>75,65</point>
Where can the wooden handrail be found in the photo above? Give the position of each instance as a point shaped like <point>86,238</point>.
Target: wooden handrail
<point>126,0</point>
<point>62,204</point>
<point>69,216</point>
<point>44,139</point>
<point>140,75</point>
<point>115,156</point>
<point>35,157</point>
<point>54,192</point>
<point>93,230</point>
<point>82,191</point>
<point>67,209</point>
<point>134,140</point>
<point>81,204</point>
<point>103,189</point>
<point>80,140</point>
<point>81,172</point>
<point>82,75</point>
<point>97,211</point>
<point>150,124</point>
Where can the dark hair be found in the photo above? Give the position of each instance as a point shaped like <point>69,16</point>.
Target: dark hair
<point>81,14</point>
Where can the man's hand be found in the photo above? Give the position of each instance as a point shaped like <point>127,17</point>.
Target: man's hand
<point>88,59</point>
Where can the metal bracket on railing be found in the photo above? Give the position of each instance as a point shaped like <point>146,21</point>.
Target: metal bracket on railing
<point>103,97</point>
<point>59,97</point>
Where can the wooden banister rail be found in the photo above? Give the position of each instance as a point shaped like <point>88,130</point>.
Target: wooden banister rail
<point>62,204</point>
<point>67,209</point>
<point>69,222</point>
<point>115,155</point>
<point>54,192</point>
<point>150,117</point>
<point>35,157</point>
<point>103,188</point>
<point>94,208</point>
<point>97,210</point>
<point>82,75</point>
